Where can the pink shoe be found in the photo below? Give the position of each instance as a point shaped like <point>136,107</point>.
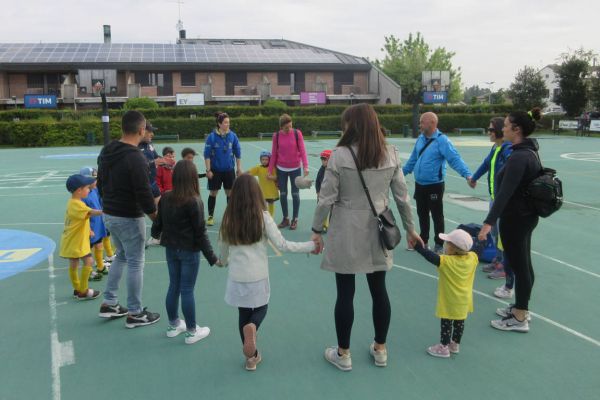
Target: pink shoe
<point>249,340</point>
<point>498,273</point>
<point>454,347</point>
<point>439,350</point>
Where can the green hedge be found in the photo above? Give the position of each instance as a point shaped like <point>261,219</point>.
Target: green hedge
<point>247,111</point>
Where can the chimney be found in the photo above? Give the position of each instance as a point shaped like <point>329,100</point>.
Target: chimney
<point>182,34</point>
<point>106,34</point>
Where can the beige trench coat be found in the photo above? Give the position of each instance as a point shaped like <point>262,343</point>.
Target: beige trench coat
<point>352,243</point>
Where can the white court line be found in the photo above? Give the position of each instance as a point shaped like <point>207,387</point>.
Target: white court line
<point>31,194</point>
<point>566,264</point>
<point>29,187</point>
<point>42,178</point>
<point>32,223</point>
<point>61,353</point>
<point>541,317</point>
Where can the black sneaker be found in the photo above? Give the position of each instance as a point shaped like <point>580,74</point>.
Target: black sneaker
<point>144,318</point>
<point>95,276</point>
<point>115,311</point>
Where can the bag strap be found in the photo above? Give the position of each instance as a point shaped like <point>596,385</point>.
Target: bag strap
<point>424,147</point>
<point>362,180</point>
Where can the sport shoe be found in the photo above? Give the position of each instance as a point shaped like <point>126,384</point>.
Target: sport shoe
<point>506,311</point>
<point>380,356</point>
<point>503,292</point>
<point>498,273</point>
<point>104,271</point>
<point>142,319</point>
<point>249,348</point>
<point>343,362</point>
<point>439,350</point>
<point>153,242</point>
<point>454,347</point>
<point>438,249</point>
<point>284,223</point>
<point>252,362</point>
<point>490,267</point>
<point>75,294</point>
<point>210,220</point>
<point>89,294</point>
<point>95,276</point>
<point>110,259</point>
<point>173,331</point>
<point>115,311</point>
<point>510,323</point>
<point>294,224</point>
<point>200,333</point>
<point>106,264</point>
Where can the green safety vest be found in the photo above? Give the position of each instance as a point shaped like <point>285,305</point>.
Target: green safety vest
<point>493,170</point>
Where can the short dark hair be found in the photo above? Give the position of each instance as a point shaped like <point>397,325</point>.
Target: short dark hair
<point>220,117</point>
<point>167,150</point>
<point>525,120</point>
<point>186,151</point>
<point>132,122</point>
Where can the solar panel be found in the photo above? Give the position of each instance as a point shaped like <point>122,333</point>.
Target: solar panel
<point>171,53</point>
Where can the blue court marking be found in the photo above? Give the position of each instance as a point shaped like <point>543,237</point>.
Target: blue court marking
<point>79,156</point>
<point>21,250</point>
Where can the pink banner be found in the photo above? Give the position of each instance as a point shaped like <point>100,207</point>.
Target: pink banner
<point>313,98</point>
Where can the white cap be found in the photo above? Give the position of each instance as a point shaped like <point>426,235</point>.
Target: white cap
<point>302,182</point>
<point>459,238</point>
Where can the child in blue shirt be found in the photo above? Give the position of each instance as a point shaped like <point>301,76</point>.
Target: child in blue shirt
<point>97,226</point>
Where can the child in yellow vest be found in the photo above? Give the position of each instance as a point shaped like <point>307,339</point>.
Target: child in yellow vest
<point>75,239</point>
<point>268,185</point>
<point>456,268</point>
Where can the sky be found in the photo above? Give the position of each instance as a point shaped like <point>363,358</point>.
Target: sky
<point>492,39</point>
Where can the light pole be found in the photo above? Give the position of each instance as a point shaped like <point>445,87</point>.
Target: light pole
<point>14,99</point>
<point>490,88</point>
<point>351,98</point>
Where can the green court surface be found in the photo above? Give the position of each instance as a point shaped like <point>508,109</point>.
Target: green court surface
<point>54,347</point>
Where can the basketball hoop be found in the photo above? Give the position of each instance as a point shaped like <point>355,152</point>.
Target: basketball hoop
<point>97,89</point>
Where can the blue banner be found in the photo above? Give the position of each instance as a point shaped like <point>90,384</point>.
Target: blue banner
<point>435,97</point>
<point>40,101</point>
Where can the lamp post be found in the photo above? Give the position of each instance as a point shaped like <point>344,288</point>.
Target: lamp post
<point>490,88</point>
<point>351,97</point>
<point>14,99</point>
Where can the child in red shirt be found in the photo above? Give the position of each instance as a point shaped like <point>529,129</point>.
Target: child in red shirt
<point>164,172</point>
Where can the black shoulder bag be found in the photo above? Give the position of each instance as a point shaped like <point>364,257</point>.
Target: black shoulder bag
<point>389,234</point>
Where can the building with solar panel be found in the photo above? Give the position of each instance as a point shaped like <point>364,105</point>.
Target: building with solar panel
<point>223,71</point>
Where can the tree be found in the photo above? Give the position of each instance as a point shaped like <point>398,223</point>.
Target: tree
<point>595,91</point>
<point>405,61</point>
<point>528,90</point>
<point>499,97</point>
<point>572,75</point>
<point>474,91</point>
<point>140,103</point>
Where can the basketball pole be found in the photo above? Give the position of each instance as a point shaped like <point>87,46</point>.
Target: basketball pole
<point>105,119</point>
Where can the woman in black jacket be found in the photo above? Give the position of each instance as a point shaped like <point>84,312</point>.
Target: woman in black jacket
<point>182,230</point>
<point>517,218</point>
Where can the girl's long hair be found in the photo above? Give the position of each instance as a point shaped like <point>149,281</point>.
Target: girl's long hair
<point>361,127</point>
<point>185,183</point>
<point>243,219</point>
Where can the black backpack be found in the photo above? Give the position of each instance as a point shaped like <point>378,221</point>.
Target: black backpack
<point>544,192</point>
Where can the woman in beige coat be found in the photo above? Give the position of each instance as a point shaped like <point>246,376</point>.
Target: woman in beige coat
<point>353,245</point>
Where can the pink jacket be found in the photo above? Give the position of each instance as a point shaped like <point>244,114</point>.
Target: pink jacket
<point>286,153</point>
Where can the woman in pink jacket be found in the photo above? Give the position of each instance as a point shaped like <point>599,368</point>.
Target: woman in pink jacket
<point>289,157</point>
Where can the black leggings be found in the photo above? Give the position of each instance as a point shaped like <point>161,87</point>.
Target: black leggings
<point>251,315</point>
<point>344,307</point>
<point>515,232</point>
<point>429,199</point>
<point>451,327</point>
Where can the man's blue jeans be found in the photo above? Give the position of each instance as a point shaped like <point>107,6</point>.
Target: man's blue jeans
<point>183,271</point>
<point>129,237</point>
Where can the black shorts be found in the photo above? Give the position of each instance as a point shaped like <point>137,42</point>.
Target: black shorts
<point>219,178</point>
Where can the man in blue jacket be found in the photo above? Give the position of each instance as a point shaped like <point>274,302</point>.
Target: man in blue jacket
<point>428,162</point>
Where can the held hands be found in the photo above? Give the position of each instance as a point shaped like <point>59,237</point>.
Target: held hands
<point>306,172</point>
<point>485,229</point>
<point>209,174</point>
<point>219,263</point>
<point>238,172</point>
<point>471,182</point>
<point>319,245</point>
<point>413,238</point>
<point>271,177</point>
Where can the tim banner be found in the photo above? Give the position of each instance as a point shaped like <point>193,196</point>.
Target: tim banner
<point>435,97</point>
<point>313,98</point>
<point>40,101</point>
<point>189,99</point>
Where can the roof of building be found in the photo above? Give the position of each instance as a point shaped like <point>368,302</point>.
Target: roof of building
<point>193,53</point>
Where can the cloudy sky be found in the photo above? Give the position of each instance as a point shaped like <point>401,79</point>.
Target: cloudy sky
<point>492,39</point>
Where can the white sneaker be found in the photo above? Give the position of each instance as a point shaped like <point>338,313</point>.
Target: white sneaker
<point>153,242</point>
<point>506,311</point>
<point>173,331</point>
<point>510,323</point>
<point>193,337</point>
<point>343,362</point>
<point>110,259</point>
<point>380,356</point>
<point>503,292</point>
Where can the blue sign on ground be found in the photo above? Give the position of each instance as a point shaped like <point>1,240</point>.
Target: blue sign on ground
<point>21,250</point>
<point>40,101</point>
<point>435,97</point>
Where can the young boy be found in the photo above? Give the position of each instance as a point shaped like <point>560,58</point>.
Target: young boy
<point>75,239</point>
<point>455,288</point>
<point>164,171</point>
<point>325,154</point>
<point>96,225</point>
<point>268,185</point>
<point>188,154</point>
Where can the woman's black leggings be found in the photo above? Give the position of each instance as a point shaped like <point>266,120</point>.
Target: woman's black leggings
<point>515,232</point>
<point>251,315</point>
<point>344,307</point>
<point>451,328</point>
